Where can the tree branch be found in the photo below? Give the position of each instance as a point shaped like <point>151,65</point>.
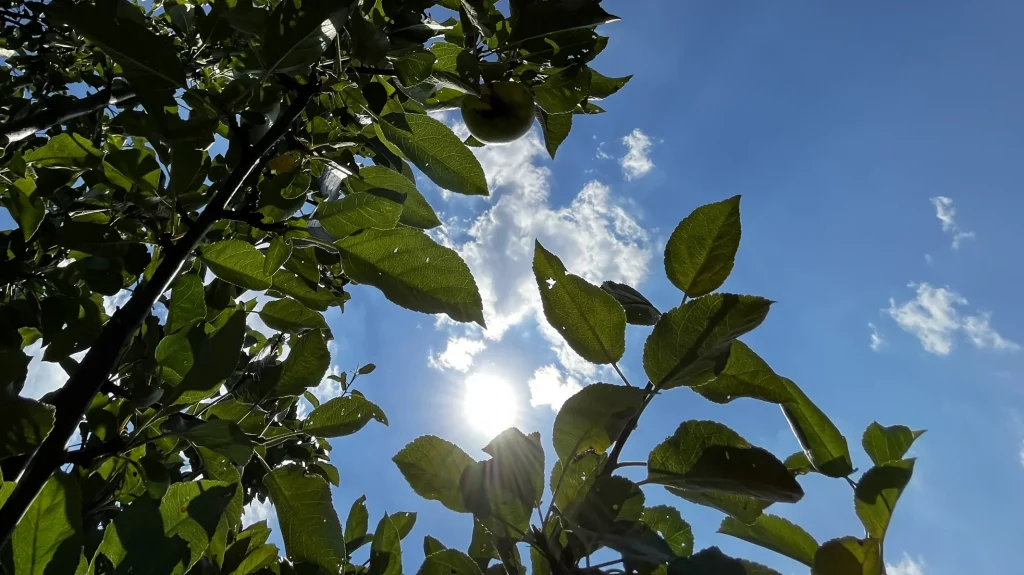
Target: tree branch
<point>18,129</point>
<point>73,399</point>
<point>254,219</point>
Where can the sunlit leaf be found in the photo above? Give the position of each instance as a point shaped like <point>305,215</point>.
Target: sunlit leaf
<point>306,364</point>
<point>237,262</point>
<point>888,444</point>
<point>342,416</point>
<point>278,252</point>
<point>670,525</point>
<point>594,417</point>
<point>188,303</point>
<point>309,524</point>
<point>436,151</point>
<point>342,218</point>
<point>433,467</point>
<point>877,493</point>
<point>774,533</point>
<point>386,549</point>
<point>416,212</point>
<point>288,315</point>
<point>48,539</point>
<point>700,252</point>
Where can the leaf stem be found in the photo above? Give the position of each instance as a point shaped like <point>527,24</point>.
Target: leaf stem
<point>631,464</point>
<point>621,375</point>
<point>613,457</point>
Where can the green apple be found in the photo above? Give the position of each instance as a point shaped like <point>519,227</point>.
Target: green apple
<point>503,112</point>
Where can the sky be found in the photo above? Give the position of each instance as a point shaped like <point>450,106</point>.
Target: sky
<point>877,149</point>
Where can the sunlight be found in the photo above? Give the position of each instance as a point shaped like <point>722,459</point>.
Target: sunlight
<point>490,405</point>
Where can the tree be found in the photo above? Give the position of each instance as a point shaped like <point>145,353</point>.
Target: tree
<point>220,160</point>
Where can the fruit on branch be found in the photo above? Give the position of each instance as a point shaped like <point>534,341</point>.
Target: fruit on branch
<point>501,114</point>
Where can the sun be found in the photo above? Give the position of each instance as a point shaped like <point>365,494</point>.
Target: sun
<point>490,403</point>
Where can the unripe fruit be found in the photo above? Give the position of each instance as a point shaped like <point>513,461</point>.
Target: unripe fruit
<point>503,113</point>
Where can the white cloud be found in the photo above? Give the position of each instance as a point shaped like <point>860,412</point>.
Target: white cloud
<point>877,342</point>
<point>932,317</point>
<point>255,512</point>
<point>112,302</point>
<point>906,566</point>
<point>636,163</point>
<point>43,376</point>
<point>549,387</point>
<point>594,237</point>
<point>458,355</point>
<point>946,213</point>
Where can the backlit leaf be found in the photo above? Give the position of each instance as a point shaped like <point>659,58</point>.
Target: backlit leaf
<point>594,417</point>
<point>877,493</point>
<point>700,252</point>
<point>188,303</point>
<point>639,310</point>
<point>306,364</point>
<point>24,424</point>
<point>66,150</point>
<point>48,539</point>
<point>555,128</point>
<point>744,508</point>
<point>849,556</point>
<point>888,444</point>
<point>670,525</point>
<point>342,416</point>
<point>278,252</point>
<point>416,212</point>
<point>774,533</point>
<point>290,316</point>
<point>309,523</point>
<point>237,262</point>
<point>449,562</point>
<point>433,467</point>
<point>342,218</point>
<point>386,549</point>
<point>436,151</point>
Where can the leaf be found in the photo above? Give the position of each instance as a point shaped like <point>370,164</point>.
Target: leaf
<point>278,252</point>
<point>414,67</point>
<point>590,320</point>
<point>449,562</point>
<point>744,508</point>
<point>342,416</point>
<point>712,561</point>
<point>849,556</point>
<point>188,303</point>
<point>701,251</point>
<point>356,525</point>
<point>820,439</point>
<point>220,468</point>
<point>671,526</point>
<point>416,212</point>
<point>215,359</point>
<point>67,150</point>
<point>436,151</point>
<point>746,375</point>
<point>562,92</point>
<point>798,464</point>
<point>774,533</point>
<point>572,478</point>
<point>877,493</point>
<point>221,436</point>
<point>297,33</point>
<point>48,538</point>
<point>309,524</point>
<point>888,444</point>
<point>537,19</point>
<point>708,456</point>
<point>309,295</point>
<point>25,206</point>
<point>24,424</point>
<point>132,167</point>
<point>13,371</point>
<point>432,545</point>
<point>688,341</point>
<point>501,491</point>
<point>594,417</point>
<point>555,128</point>
<point>369,43</point>
<point>639,310</point>
<point>306,364</point>
<point>481,546</point>
<point>342,218</point>
<point>237,262</point>
<point>413,271</point>
<point>169,537</point>
<point>612,506</point>
<point>366,369</point>
<point>386,549</point>
<point>520,464</point>
<point>404,522</point>
<point>602,86</point>
<point>479,16</point>
<point>433,467</point>
<point>290,316</point>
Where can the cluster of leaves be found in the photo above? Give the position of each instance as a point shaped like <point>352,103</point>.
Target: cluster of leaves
<point>592,506</point>
<point>196,154</point>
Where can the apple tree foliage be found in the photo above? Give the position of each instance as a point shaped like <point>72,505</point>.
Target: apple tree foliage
<point>178,169</point>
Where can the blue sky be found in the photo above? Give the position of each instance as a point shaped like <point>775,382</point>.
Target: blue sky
<point>866,140</point>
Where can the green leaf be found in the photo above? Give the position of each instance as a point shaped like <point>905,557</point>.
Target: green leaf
<point>413,271</point>
<point>237,262</point>
<point>25,206</point>
<point>149,61</point>
<point>712,561</point>
<point>366,369</point>
<point>670,525</point>
<point>449,562</point>
<point>877,493</point>
<point>278,252</point>
<point>414,67</point>
<point>820,439</point>
<point>774,533</point>
<point>433,467</point>
<point>560,93</point>
<point>688,341</point>
<point>342,218</point>
<point>746,509</point>
<point>221,436</point>
<point>481,546</point>
<point>356,525</point>
<point>746,375</point>
<point>590,320</point>
<point>169,537</point>
<point>436,151</point>
<point>220,468</point>
<point>297,33</point>
<point>416,212</point>
<point>614,504</point>
<point>706,455</point>
<point>701,251</point>
<point>24,424</point>
<point>799,464</point>
<point>404,521</point>
<point>594,417</point>
<point>306,364</point>
<point>342,416</point>
<point>290,316</point>
<point>888,444</point>
<point>519,465</point>
<point>67,150</point>
<point>431,545</point>
<point>48,539</point>
<point>133,167</point>
<point>369,43</point>
<point>386,549</point>
<point>849,556</point>
<point>537,19</point>
<point>555,128</point>
<point>501,491</point>
<point>309,295</point>
<point>188,303</point>
<point>572,478</point>
<point>639,310</point>
<point>602,86</point>
<point>14,369</point>
<point>215,359</point>
<point>298,498</point>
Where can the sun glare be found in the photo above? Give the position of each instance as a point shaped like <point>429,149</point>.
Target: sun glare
<point>490,403</point>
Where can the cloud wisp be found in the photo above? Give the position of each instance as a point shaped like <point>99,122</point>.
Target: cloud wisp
<point>946,213</point>
<point>877,341</point>
<point>637,161</point>
<point>906,566</point>
<point>933,318</point>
